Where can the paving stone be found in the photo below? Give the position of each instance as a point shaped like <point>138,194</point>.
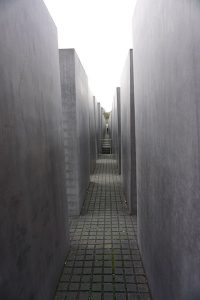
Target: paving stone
<point>74,286</point>
<point>144,297</point>
<point>88,264</point>
<point>108,278</point>
<point>141,279</point>
<point>108,287</point>
<point>62,286</point>
<point>129,271</point>
<point>120,287</point>
<point>120,296</point>
<point>87,271</point>
<point>108,296</point>
<point>97,278</point>
<point>131,287</point>
<point>97,270</point>
<point>71,295</point>
<point>86,278</point>
<point>60,296</point>
<point>96,296</point>
<point>119,271</point>
<point>133,297</point>
<point>65,277</point>
<point>104,261</point>
<point>130,279</point>
<point>85,286</point>
<point>96,287</point>
<point>75,278</point>
<point>84,296</point>
<point>119,278</point>
<point>143,287</point>
<point>77,271</point>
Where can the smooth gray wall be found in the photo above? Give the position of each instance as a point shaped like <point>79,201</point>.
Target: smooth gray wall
<point>93,142</point>
<point>113,127</point>
<point>74,88</point>
<point>118,98</point>
<point>167,92</point>
<point>116,128</point>
<point>96,124</point>
<point>128,155</point>
<point>110,125</point>
<point>99,127</point>
<point>33,214</point>
<point>103,123</point>
<point>83,130</point>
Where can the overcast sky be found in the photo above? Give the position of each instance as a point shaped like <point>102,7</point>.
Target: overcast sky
<point>101,33</point>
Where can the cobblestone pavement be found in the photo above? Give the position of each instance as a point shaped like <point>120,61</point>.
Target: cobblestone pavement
<point>104,261</point>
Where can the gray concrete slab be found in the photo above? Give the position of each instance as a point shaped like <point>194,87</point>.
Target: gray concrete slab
<point>93,140</point>
<point>167,91</point>
<point>116,128</point>
<point>103,123</point>
<point>110,125</point>
<point>74,87</point>
<point>99,127</point>
<point>96,123</point>
<point>33,212</point>
<point>128,155</point>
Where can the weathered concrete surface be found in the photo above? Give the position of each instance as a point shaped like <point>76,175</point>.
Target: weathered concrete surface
<point>110,125</point>
<point>167,93</point>
<point>128,155</point>
<point>103,123</point>
<point>116,128</point>
<point>113,128</point>
<point>33,232</point>
<point>99,127</point>
<point>93,140</point>
<point>74,87</point>
<point>96,124</point>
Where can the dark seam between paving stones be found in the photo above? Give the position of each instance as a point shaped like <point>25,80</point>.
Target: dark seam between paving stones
<point>104,260</point>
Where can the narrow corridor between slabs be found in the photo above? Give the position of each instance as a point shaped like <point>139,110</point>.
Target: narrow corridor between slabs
<point>104,261</point>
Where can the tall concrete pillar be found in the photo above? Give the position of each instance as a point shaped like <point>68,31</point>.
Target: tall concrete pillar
<point>103,123</point>
<point>110,124</point>
<point>99,127</point>
<point>93,142</point>
<point>113,134</point>
<point>33,212</point>
<point>167,94</point>
<point>116,128</point>
<point>74,87</point>
<point>128,154</point>
<point>96,124</point>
